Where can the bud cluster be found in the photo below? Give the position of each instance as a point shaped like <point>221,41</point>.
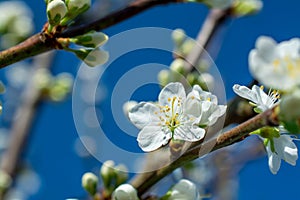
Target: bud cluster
<point>179,70</point>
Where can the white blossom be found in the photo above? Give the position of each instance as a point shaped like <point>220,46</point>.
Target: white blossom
<point>175,116</point>
<point>276,65</point>
<point>184,189</point>
<point>165,120</point>
<point>285,149</point>
<point>257,96</point>
<point>125,192</point>
<point>204,106</point>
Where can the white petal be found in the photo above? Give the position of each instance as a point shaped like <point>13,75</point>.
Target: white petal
<point>266,47</point>
<point>169,91</point>
<point>188,132</point>
<point>184,190</point>
<point>245,92</point>
<point>144,114</point>
<point>217,112</point>
<point>264,101</point>
<point>286,149</point>
<point>203,95</point>
<point>151,137</point>
<point>274,162</point>
<point>192,105</point>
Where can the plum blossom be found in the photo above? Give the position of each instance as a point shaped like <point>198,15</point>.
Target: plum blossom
<point>276,65</point>
<point>171,118</point>
<point>283,148</point>
<point>257,96</point>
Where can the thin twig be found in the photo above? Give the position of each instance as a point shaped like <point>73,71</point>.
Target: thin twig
<point>41,42</point>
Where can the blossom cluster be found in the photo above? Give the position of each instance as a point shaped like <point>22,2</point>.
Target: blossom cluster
<point>61,13</point>
<point>175,116</point>
<point>276,66</point>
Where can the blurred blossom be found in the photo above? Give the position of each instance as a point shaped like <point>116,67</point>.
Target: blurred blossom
<point>91,117</point>
<point>80,148</point>
<point>15,22</point>
<point>18,74</point>
<point>276,65</point>
<point>184,189</point>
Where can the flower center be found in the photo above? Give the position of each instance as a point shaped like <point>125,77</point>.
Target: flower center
<point>171,113</point>
<point>289,65</point>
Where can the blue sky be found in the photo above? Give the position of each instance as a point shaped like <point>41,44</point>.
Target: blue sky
<point>51,148</point>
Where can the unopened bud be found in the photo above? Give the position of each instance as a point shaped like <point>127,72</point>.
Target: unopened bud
<point>56,10</point>
<point>246,7</point>
<point>290,111</point>
<point>178,67</point>
<point>125,192</point>
<point>92,57</point>
<point>164,77</point>
<point>89,183</point>
<point>94,39</point>
<point>107,173</point>
<point>121,174</point>
<point>184,189</point>
<point>178,36</point>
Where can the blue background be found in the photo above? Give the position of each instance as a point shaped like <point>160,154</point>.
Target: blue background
<point>51,153</point>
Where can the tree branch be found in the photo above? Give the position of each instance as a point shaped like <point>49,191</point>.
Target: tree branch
<point>22,123</point>
<point>42,42</point>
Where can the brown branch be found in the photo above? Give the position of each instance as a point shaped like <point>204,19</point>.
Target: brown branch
<point>214,21</point>
<point>146,180</point>
<point>22,123</point>
<point>42,42</point>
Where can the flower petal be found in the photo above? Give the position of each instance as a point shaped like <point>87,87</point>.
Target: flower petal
<point>188,132</point>
<point>144,114</point>
<point>169,91</point>
<point>151,137</point>
<point>245,92</point>
<point>286,149</point>
<point>274,162</point>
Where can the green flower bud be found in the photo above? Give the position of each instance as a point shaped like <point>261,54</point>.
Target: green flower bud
<point>78,6</point>
<point>206,81</point>
<point>5,180</point>
<point>92,57</point>
<point>164,77</point>
<point>178,36</point>
<point>178,67</point>
<point>75,8</point>
<point>246,7</point>
<point>125,192</point>
<point>187,47</point>
<point>93,39</point>
<point>267,132</point>
<point>107,173</point>
<point>56,10</point>
<point>61,87</point>
<point>289,112</point>
<point>89,183</point>
<point>121,174</point>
